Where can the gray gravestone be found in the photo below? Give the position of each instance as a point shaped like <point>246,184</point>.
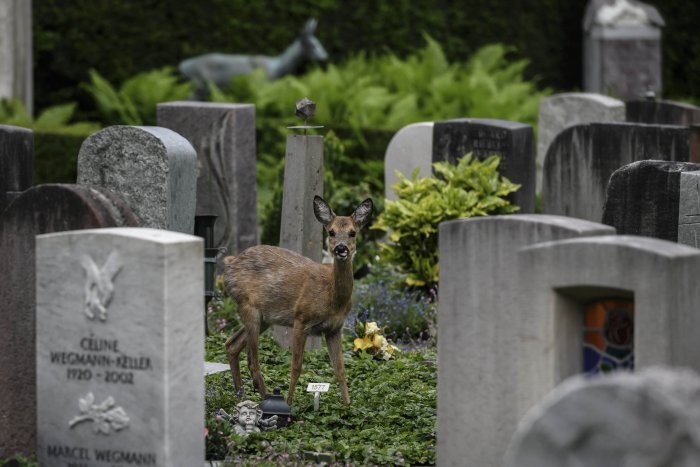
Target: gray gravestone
<point>16,75</point>
<point>588,421</point>
<point>622,48</point>
<point>689,209</point>
<point>41,209</point>
<point>153,169</point>
<point>409,149</point>
<point>120,348</point>
<point>223,135</point>
<point>644,198</point>
<point>299,229</point>
<point>582,158</point>
<point>477,338</point>
<point>661,112</point>
<point>16,162</point>
<point>512,141</point>
<point>560,111</point>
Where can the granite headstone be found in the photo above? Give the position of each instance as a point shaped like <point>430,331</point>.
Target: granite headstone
<point>16,162</point>
<point>689,209</point>
<point>120,348</point>
<point>588,421</point>
<point>512,141</point>
<point>477,338</point>
<point>560,111</point>
<point>622,48</point>
<point>582,158</point>
<point>41,209</point>
<point>644,198</point>
<point>409,149</point>
<point>153,169</point>
<point>661,112</point>
<point>223,135</point>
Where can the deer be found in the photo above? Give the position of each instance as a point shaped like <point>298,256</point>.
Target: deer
<point>274,285</point>
<point>219,68</point>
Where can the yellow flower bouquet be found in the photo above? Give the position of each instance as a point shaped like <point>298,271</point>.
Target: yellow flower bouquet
<point>372,343</point>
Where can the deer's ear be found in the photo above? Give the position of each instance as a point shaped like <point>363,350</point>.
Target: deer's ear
<point>322,211</point>
<point>363,213</point>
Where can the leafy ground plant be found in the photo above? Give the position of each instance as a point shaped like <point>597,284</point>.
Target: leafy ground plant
<point>470,188</point>
<point>391,420</point>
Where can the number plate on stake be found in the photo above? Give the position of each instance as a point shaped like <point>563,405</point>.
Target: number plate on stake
<point>318,387</point>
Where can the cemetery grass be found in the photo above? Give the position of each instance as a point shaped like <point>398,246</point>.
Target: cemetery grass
<point>391,420</point>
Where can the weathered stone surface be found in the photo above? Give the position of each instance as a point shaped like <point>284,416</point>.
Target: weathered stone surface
<point>484,137</point>
<point>120,348</point>
<point>153,169</point>
<point>646,419</point>
<point>560,111</point>
<point>557,279</point>
<point>643,198</point>
<point>622,48</point>
<point>223,135</point>
<point>299,229</point>
<point>409,149</point>
<point>41,209</point>
<point>662,112</point>
<point>478,340</point>
<point>582,158</point>
<point>16,73</point>
<point>16,162</point>
<point>689,209</point>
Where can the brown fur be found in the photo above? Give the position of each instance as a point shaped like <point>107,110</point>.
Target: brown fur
<point>274,285</point>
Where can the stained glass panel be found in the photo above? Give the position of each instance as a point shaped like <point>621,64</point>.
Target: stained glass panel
<point>608,336</point>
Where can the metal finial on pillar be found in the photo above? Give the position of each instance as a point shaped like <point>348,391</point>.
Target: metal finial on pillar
<point>305,109</point>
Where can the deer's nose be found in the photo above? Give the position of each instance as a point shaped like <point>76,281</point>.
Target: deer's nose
<point>341,250</point>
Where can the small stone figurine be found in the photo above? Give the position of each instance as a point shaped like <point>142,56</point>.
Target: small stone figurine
<point>247,418</point>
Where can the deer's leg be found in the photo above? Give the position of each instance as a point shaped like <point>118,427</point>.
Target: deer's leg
<point>252,329</point>
<point>334,342</point>
<point>298,341</point>
<point>234,346</point>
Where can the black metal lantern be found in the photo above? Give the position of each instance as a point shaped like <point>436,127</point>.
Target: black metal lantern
<point>204,227</point>
<point>275,404</point>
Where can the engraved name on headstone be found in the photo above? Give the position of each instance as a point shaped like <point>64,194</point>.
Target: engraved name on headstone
<point>512,141</point>
<point>120,353</point>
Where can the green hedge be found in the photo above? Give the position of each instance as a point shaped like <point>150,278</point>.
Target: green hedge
<point>120,39</point>
<point>56,157</point>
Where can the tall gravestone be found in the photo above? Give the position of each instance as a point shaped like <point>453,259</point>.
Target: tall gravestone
<point>582,158</point>
<point>512,141</point>
<point>645,198</point>
<point>622,48</point>
<point>689,209</point>
<point>16,75</point>
<point>153,169</point>
<point>223,135</point>
<point>661,112</point>
<point>16,162</point>
<point>120,350</point>
<point>586,422</point>
<point>41,209</point>
<point>560,111</point>
<point>409,149</point>
<point>477,338</point>
<point>299,229</point>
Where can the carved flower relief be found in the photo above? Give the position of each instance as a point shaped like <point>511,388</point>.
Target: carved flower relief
<point>105,417</point>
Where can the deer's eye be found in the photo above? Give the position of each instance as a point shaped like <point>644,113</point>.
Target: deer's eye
<point>352,233</point>
<point>331,233</point>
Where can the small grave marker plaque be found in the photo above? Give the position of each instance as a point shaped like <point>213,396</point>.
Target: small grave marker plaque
<point>317,389</point>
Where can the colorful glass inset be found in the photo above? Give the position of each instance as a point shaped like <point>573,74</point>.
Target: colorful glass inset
<point>608,336</point>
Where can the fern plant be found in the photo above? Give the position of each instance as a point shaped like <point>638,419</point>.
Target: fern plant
<point>56,119</point>
<point>470,188</point>
<point>134,103</point>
